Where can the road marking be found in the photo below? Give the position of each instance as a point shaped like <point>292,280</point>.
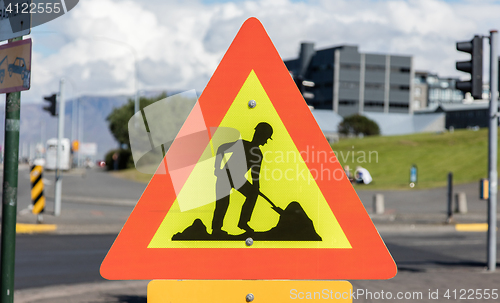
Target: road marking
<point>34,228</point>
<point>472,227</point>
<point>100,201</point>
<point>440,242</point>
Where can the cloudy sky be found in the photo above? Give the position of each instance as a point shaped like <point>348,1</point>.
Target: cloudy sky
<point>177,44</point>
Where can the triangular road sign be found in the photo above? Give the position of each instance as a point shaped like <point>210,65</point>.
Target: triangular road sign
<point>301,220</point>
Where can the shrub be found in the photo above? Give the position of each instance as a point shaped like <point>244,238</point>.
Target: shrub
<point>124,159</point>
<point>357,124</point>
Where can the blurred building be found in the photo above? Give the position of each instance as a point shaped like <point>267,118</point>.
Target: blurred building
<point>349,82</point>
<point>430,90</point>
<point>461,115</point>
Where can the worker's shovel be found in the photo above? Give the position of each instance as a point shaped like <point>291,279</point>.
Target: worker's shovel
<point>277,209</point>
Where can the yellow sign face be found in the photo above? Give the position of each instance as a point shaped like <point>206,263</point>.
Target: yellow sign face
<point>283,174</point>
<point>230,291</point>
<point>15,66</point>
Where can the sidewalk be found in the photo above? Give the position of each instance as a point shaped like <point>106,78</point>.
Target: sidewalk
<point>424,209</point>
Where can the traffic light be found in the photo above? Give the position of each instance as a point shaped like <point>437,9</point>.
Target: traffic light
<point>52,106</point>
<point>474,67</point>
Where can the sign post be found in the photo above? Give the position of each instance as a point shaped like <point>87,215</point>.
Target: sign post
<point>9,193</point>
<point>15,74</point>
<point>492,154</point>
<point>59,152</point>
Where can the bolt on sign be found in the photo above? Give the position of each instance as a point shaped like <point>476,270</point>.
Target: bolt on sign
<point>15,66</point>
<point>250,188</point>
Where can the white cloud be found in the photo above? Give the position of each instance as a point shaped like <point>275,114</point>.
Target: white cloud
<point>178,44</point>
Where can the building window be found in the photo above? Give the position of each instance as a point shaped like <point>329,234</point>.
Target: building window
<point>349,85</point>
<point>373,68</point>
<point>402,70</point>
<point>349,66</point>
<point>418,91</point>
<point>398,105</point>
<point>347,102</point>
<point>400,87</point>
<point>431,80</point>
<point>374,86</point>
<point>446,94</point>
<point>434,94</point>
<point>374,103</point>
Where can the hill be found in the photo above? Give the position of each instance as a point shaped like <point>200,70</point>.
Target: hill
<point>38,125</point>
<point>388,159</point>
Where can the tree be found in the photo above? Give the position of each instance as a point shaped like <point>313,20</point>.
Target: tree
<point>357,124</point>
<point>119,117</point>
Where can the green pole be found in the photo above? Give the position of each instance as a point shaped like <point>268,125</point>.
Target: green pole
<point>9,194</point>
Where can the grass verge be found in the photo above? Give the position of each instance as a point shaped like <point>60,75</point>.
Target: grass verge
<point>388,159</point>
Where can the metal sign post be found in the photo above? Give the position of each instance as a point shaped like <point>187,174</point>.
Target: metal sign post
<point>9,194</point>
<point>492,154</point>
<point>60,135</point>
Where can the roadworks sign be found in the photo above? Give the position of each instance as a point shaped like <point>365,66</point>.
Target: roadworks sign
<point>252,189</point>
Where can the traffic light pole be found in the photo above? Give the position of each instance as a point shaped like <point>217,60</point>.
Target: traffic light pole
<point>9,194</point>
<point>492,152</point>
<point>59,152</point>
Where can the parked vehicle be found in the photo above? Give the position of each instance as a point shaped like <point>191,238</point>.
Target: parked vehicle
<point>51,151</point>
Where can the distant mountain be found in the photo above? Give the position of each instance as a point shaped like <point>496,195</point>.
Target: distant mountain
<point>37,124</point>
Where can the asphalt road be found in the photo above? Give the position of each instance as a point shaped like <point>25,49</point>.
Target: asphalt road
<point>43,260</point>
<point>93,201</point>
